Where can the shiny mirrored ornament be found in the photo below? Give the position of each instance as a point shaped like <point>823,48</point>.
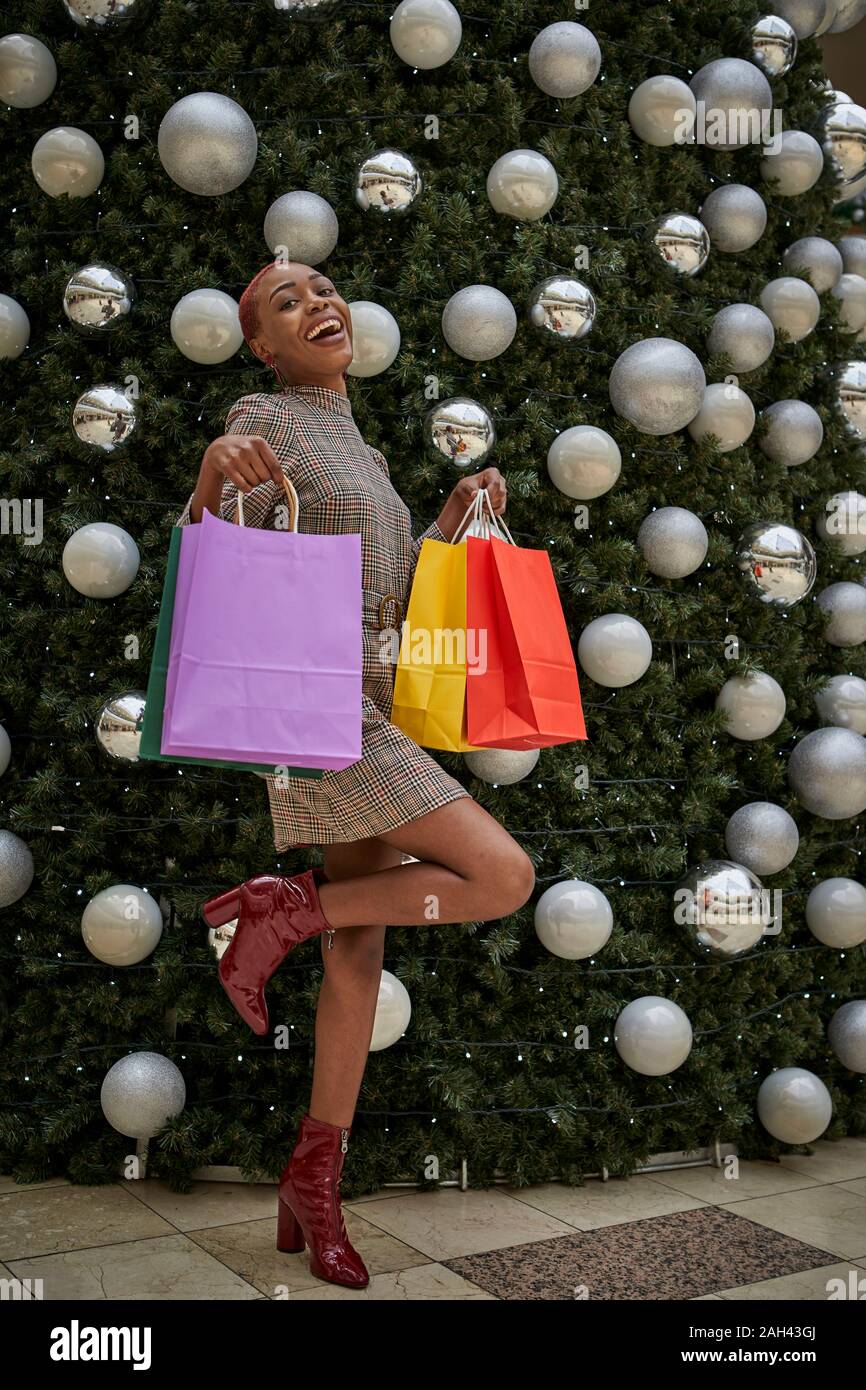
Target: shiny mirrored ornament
<point>682,242</point>
<point>460,430</point>
<point>97,297</point>
<point>104,14</point>
<point>851,396</point>
<point>778,563</point>
<point>723,907</point>
<point>207,144</point>
<point>104,417</point>
<point>562,307</point>
<point>841,131</point>
<point>118,726</point>
<point>387,182</point>
<point>774,45</point>
<point>307,10</point>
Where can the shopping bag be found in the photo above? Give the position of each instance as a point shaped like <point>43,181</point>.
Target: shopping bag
<point>151,720</point>
<point>429,698</point>
<point>526,693</point>
<point>265,658</point>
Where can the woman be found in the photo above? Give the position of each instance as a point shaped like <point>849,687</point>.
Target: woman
<point>395,801</point>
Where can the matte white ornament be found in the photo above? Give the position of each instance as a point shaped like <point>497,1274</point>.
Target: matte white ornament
<point>426,33</point>
<point>850,290</point>
<point>615,650</point>
<point>754,705</point>
<point>584,462</point>
<point>523,184</point>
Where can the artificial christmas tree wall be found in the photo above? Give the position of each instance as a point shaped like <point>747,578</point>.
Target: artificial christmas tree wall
<point>492,1065</point>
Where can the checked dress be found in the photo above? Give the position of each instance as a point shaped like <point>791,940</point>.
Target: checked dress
<point>343,485</point>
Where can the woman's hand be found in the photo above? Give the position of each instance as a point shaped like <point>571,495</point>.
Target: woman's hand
<point>466,491</point>
<point>246,459</point>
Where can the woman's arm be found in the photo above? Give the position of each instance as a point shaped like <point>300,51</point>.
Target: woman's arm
<point>249,458</point>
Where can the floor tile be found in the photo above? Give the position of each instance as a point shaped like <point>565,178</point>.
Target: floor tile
<point>447,1223</point>
<point>164,1268</point>
<point>600,1203</point>
<point>51,1219</point>
<point>836,1161</point>
<point>679,1256</point>
<point>831,1218</point>
<point>807,1285</point>
<point>208,1203</point>
<point>755,1179</point>
<point>8,1184</point>
<point>424,1283</point>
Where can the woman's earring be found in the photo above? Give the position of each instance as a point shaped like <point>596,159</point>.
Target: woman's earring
<point>280,378</point>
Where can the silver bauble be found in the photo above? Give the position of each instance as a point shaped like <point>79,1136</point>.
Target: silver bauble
<point>726,413</point>
<point>426,33</point>
<point>848,13</point>
<point>562,307</point>
<point>460,430</point>
<point>615,650</point>
<point>16,868</point>
<point>104,417</point>
<point>141,1092</point>
<point>98,15</point>
<point>850,290</point>
<point>97,297</point>
<point>584,462</point>
<point>754,705</point>
<point>842,702</point>
<point>794,433</point>
<point>853,252</point>
<point>793,165</point>
<point>836,913</point>
<point>794,1105</point>
<point>387,181</point>
<point>779,562</point>
<point>744,334</point>
<point>681,241</point>
<point>501,767</point>
<point>735,217</point>
<point>774,45</point>
<point>653,1035</point>
<point>573,919</point>
<point>522,184</point>
<point>14,327</point>
<point>841,131</point>
<point>723,908</point>
<point>479,322</point>
<point>100,559</point>
<point>5,750</point>
<point>846,1034</point>
<point>658,385</point>
<point>661,111</point>
<point>842,523</point>
<point>846,605</point>
<point>306,11</point>
<point>827,773</point>
<point>673,542</point>
<point>304,224</point>
<point>118,726</point>
<point>792,306</point>
<point>818,257</point>
<point>207,144</point>
<point>739,94</point>
<point>28,72</point>
<point>121,925</point>
<point>762,836</point>
<point>564,59</point>
<point>804,16</point>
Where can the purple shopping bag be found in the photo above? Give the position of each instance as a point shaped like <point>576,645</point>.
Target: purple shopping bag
<point>266,646</point>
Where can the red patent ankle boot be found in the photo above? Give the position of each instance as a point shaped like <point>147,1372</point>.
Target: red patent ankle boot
<point>309,1210</point>
<point>274,914</point>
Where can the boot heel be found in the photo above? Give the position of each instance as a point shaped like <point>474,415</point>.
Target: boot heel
<point>290,1237</point>
<point>217,911</point>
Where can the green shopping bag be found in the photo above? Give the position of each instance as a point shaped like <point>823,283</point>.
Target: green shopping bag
<point>151,721</point>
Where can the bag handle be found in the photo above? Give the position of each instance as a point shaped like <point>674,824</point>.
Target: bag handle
<point>294,504</point>
<point>475,515</point>
<point>471,515</point>
<point>496,522</point>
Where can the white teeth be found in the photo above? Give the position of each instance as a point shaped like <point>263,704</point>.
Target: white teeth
<point>314,332</point>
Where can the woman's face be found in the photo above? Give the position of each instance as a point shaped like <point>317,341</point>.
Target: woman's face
<point>306,325</point>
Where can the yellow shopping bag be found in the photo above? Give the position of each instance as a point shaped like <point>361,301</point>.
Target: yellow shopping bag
<point>429,702</point>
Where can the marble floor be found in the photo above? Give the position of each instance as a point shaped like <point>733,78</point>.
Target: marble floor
<point>767,1231</point>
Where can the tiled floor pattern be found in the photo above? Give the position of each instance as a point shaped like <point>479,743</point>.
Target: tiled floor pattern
<point>775,1231</point>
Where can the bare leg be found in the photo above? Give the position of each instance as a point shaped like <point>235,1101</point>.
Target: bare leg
<point>470,870</point>
<point>347,999</point>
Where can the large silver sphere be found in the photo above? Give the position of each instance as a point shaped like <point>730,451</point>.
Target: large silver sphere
<point>207,144</point>
<point>827,773</point>
<point>851,396</point>
<point>735,217</point>
<point>479,322</point>
<point>564,59</point>
<point>845,604</point>
<point>818,257</point>
<point>841,130</point>
<point>387,181</point>
<point>846,1034</point>
<point>562,307</point>
<point>762,836</point>
<point>779,562</point>
<point>460,430</point>
<point>141,1093</point>
<point>16,868</point>
<point>615,650</point>
<point>723,908</point>
<point>97,297</point>
<point>682,242</point>
<point>104,417</point>
<point>118,726</point>
<point>740,92</point>
<point>573,919</point>
<point>804,16</point>
<point>673,542</point>
<point>744,334</point>
<point>304,224</point>
<point>774,45</point>
<point>658,385</point>
<point>794,434</point>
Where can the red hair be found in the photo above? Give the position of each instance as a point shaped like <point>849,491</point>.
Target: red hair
<point>248,304</point>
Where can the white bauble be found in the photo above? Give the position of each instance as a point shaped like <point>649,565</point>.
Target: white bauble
<point>842,703</point>
<point>67,160</point>
<point>426,33</point>
<point>573,919</point>
<point>819,257</point>
<point>827,773</point>
<point>794,434</point>
<point>794,165</point>
<point>584,462</point>
<point>742,333</point>
<point>375,338</point>
<point>564,59</point>
<point>850,290</point>
<point>791,305</point>
<point>393,1012</point>
<point>661,111</point>
<point>14,327</point>
<point>846,1034</point>
<point>836,913</point>
<point>727,413</point>
<point>100,560</point>
<point>205,326</point>
<point>794,1105</point>
<point>754,705</point>
<point>523,184</point>
<point>653,1035</point>
<point>28,72</point>
<point>615,650</point>
<point>853,252</point>
<point>846,604</point>
<point>121,925</point>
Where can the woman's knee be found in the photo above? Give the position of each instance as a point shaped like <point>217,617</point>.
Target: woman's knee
<point>515,879</point>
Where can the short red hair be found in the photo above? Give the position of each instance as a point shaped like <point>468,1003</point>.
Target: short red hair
<point>248,304</point>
